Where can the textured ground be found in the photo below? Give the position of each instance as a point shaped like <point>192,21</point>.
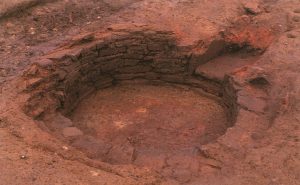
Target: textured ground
<point>29,155</point>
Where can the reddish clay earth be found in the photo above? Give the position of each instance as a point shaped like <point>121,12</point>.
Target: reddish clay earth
<point>150,92</point>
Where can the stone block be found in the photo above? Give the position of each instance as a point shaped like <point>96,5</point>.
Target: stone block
<point>135,69</point>
<point>103,82</point>
<point>110,66</point>
<point>128,76</point>
<point>111,51</point>
<point>130,62</point>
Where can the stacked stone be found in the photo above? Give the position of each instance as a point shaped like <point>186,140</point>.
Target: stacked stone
<point>61,79</point>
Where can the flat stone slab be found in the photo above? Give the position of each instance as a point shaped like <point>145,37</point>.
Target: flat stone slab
<point>217,68</point>
<point>72,132</point>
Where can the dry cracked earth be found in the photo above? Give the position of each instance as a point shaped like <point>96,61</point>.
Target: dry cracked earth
<point>192,92</point>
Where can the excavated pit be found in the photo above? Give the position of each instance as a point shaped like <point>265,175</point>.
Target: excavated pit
<point>136,98</point>
<point>145,124</point>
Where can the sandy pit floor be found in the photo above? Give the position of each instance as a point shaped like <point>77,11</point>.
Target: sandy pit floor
<point>160,127</point>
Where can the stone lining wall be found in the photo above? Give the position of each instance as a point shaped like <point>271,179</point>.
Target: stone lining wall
<point>58,81</point>
<point>61,79</point>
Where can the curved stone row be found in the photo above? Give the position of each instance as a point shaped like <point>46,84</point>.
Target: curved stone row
<point>61,79</point>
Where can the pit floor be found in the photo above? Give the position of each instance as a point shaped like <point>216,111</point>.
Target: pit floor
<point>158,127</point>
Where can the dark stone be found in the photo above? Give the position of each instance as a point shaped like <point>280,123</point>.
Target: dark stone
<point>89,58</point>
<point>85,89</point>
<point>157,47</point>
<point>173,78</point>
<point>107,58</point>
<point>33,83</point>
<point>93,75</point>
<point>111,51</point>
<point>152,76</point>
<point>296,18</point>
<point>135,69</point>
<point>259,82</point>
<point>141,49</point>
<point>133,56</point>
<point>110,66</point>
<point>61,74</point>
<point>169,69</point>
<point>103,82</point>
<point>128,76</point>
<point>130,62</point>
<point>128,43</point>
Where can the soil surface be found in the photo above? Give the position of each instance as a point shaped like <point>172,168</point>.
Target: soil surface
<point>230,117</point>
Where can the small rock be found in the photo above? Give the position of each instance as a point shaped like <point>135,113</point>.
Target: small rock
<point>35,113</point>
<point>61,74</point>
<point>23,157</point>
<point>65,148</point>
<point>3,123</point>
<point>72,132</point>
<point>32,83</point>
<point>93,173</point>
<point>296,18</point>
<point>211,162</point>
<point>182,175</point>
<point>32,31</point>
<point>121,154</point>
<point>3,73</point>
<point>297,10</point>
<point>257,135</point>
<point>32,71</point>
<point>43,62</point>
<point>252,7</point>
<point>291,36</point>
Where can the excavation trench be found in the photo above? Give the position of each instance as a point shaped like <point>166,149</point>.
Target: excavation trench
<point>133,98</point>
